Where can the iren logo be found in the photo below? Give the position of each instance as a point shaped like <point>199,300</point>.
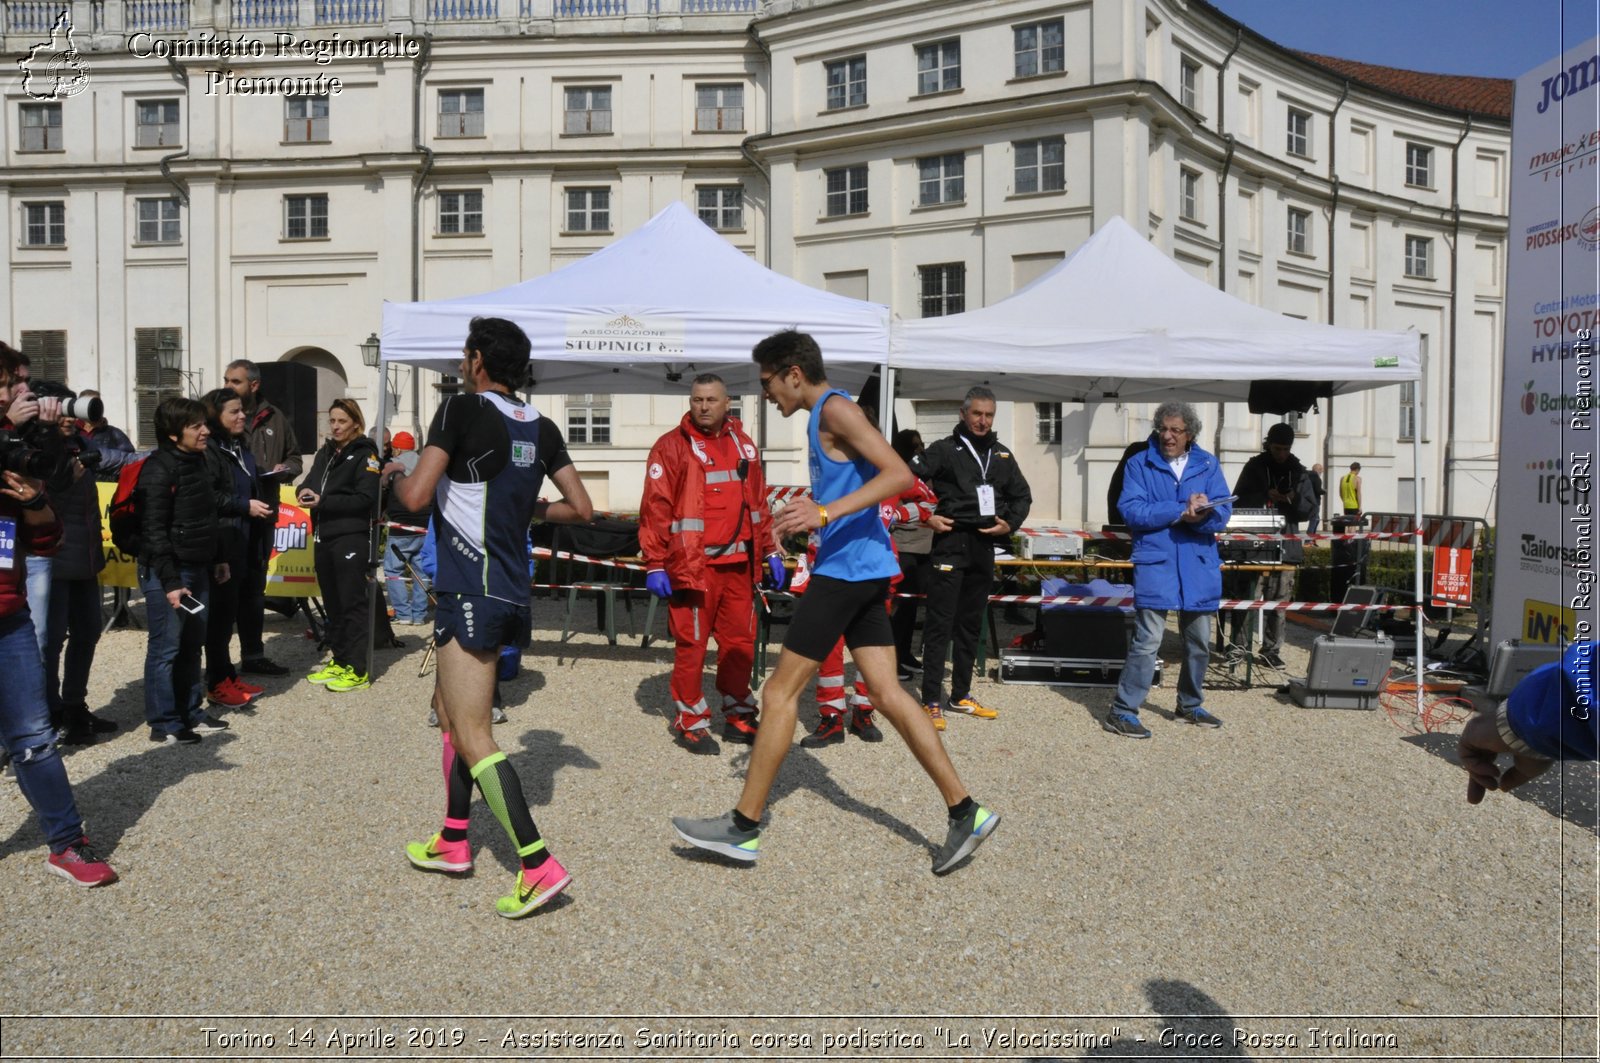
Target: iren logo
<point>1570,82</point>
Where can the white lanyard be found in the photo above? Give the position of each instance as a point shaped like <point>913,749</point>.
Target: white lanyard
<point>983,466</point>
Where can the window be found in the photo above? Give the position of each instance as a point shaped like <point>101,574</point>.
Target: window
<point>589,419</point>
<point>44,224</point>
<point>847,191</point>
<point>718,108</point>
<point>588,110</point>
<point>721,206</point>
<point>1189,83</point>
<point>1419,257</point>
<point>944,289</point>
<point>847,83</point>
<point>1413,418</point>
<point>47,353</point>
<point>156,124</point>
<point>305,217</point>
<point>1296,420</point>
<point>1299,130</point>
<point>1041,165</point>
<point>1299,227</point>
<point>1040,48</point>
<point>938,67</point>
<point>41,127</point>
<point>151,383</point>
<point>461,112</point>
<point>159,221</point>
<point>460,213</point>
<point>588,210</point>
<point>941,179</point>
<point>1189,195</point>
<point>305,119</point>
<point>1419,165</point>
<point>1048,417</point>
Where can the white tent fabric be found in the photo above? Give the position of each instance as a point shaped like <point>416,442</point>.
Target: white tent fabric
<point>1120,321</point>
<point>648,312</point>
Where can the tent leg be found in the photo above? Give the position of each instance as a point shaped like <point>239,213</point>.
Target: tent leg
<point>1419,546</point>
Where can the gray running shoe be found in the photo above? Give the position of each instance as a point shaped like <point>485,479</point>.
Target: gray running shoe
<point>966,834</point>
<point>497,715</point>
<point>720,836</point>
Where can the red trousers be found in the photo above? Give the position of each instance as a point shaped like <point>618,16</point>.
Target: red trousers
<point>726,611</point>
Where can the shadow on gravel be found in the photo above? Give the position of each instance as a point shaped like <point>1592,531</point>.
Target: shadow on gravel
<point>654,697</point>
<point>804,770</point>
<point>117,797</point>
<point>1192,1026</point>
<point>537,756</point>
<point>1568,790</point>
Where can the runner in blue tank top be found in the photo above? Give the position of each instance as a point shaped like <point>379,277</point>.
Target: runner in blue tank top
<point>853,469</point>
<point>487,457</point>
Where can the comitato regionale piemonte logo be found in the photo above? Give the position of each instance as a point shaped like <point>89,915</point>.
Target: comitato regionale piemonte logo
<point>53,69</point>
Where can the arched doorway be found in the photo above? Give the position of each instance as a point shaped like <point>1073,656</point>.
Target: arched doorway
<point>332,383</point>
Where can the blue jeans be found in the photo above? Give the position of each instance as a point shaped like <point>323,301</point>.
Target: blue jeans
<point>75,621</point>
<point>39,597</point>
<point>28,736</point>
<point>406,597</point>
<point>1140,668</point>
<point>172,688</point>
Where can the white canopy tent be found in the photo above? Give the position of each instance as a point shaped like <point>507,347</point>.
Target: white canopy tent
<point>1120,321</point>
<point>646,313</point>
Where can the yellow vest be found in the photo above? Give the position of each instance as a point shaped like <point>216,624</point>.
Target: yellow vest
<point>1347,491</point>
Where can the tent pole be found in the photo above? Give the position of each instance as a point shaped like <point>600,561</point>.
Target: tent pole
<point>375,536</point>
<point>1419,546</point>
<point>886,400</point>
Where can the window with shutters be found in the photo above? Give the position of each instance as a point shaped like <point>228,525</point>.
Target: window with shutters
<point>719,108</point>
<point>41,127</point>
<point>305,119</point>
<point>151,385</point>
<point>156,124</point>
<point>47,354</point>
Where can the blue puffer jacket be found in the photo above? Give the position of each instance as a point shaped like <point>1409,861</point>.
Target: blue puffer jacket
<point>1175,565</point>
<point>1553,710</point>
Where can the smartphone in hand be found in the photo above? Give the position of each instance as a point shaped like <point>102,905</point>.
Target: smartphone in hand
<point>190,604</point>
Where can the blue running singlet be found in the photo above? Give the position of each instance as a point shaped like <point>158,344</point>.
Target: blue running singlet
<point>854,547</point>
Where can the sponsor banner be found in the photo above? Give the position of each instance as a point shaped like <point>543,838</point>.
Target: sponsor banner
<point>625,334</point>
<point>1544,562</point>
<point>291,570</point>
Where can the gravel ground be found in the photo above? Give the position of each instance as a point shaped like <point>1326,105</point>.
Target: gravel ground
<point>1298,868</point>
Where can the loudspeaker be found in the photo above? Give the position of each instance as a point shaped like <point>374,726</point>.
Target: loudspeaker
<point>292,388</point>
<point>1287,396</point>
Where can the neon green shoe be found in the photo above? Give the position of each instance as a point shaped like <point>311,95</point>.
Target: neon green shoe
<point>534,889</point>
<point>331,670</point>
<point>350,681</point>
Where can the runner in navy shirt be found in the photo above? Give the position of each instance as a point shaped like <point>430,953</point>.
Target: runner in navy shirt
<point>488,456</point>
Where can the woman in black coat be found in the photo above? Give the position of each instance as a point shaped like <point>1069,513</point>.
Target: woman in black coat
<point>341,491</point>
<point>234,464</point>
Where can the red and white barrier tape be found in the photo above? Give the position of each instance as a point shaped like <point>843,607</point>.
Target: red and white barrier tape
<point>1234,537</point>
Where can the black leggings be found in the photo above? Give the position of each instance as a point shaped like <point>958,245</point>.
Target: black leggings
<point>342,575</point>
<point>224,613</point>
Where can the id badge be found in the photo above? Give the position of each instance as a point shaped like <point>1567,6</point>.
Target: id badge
<point>8,543</point>
<point>985,500</point>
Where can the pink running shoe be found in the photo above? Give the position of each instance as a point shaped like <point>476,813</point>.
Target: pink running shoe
<point>440,855</point>
<point>534,888</point>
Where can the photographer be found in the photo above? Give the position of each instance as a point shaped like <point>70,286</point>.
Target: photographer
<point>74,604</point>
<point>31,526</point>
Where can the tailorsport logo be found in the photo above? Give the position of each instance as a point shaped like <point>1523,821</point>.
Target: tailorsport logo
<point>1538,550</point>
<point>53,69</point>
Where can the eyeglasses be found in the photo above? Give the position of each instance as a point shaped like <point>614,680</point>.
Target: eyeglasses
<point>1165,431</point>
<point>766,381</point>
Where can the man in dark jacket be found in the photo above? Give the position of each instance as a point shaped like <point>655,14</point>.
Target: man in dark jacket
<point>983,498</point>
<point>179,497</point>
<point>1166,493</point>
<point>74,605</point>
<point>1273,479</point>
<point>270,436</point>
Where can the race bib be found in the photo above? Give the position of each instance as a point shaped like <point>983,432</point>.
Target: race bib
<point>985,500</point>
<point>8,543</point>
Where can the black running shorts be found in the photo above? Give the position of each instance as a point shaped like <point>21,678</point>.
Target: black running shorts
<point>833,607</point>
<point>479,622</point>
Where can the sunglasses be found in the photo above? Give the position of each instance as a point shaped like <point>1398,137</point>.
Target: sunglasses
<point>766,381</point>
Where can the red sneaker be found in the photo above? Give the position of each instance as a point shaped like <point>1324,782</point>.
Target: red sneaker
<point>78,864</point>
<point>249,690</point>
<point>693,732</point>
<point>226,695</point>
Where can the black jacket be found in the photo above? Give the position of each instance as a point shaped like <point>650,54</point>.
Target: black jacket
<point>954,475</point>
<point>347,483</point>
<point>82,554</point>
<point>181,496</point>
<point>238,466</point>
<point>1260,474</point>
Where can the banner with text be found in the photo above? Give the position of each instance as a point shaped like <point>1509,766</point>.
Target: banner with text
<point>1544,557</point>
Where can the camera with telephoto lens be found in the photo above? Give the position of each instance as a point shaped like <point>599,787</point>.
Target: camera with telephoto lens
<point>89,409</point>
<point>19,454</point>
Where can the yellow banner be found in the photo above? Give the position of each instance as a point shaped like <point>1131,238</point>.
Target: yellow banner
<point>291,569</point>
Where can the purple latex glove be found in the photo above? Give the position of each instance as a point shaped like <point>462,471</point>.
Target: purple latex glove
<point>776,575</point>
<point>658,584</point>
